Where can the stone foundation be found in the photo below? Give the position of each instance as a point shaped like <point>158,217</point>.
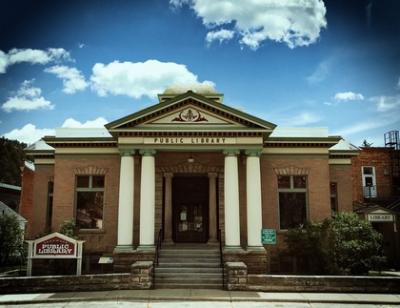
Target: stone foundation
<point>124,259</point>
<point>235,275</point>
<point>139,277</point>
<point>256,260</point>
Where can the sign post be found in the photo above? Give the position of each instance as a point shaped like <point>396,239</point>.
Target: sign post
<point>55,246</point>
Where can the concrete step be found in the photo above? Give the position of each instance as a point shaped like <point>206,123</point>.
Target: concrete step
<point>185,262</point>
<point>161,285</point>
<point>193,276</point>
<point>188,279</point>
<point>192,270</point>
<point>188,253</point>
<point>167,264</point>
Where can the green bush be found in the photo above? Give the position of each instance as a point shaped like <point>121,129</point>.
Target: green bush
<point>11,240</point>
<point>68,228</point>
<point>344,244</point>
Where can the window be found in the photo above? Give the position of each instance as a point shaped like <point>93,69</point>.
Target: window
<point>292,200</point>
<point>49,214</point>
<point>369,182</point>
<point>334,199</point>
<point>89,201</point>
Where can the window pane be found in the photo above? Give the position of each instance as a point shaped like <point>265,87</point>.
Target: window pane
<point>299,182</point>
<point>283,181</point>
<point>334,206</point>
<point>89,210</point>
<point>367,170</point>
<point>292,209</point>
<point>82,181</point>
<point>368,181</point>
<point>98,182</point>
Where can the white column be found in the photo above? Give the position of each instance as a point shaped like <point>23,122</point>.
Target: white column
<point>231,199</point>
<point>125,201</point>
<point>147,199</point>
<point>253,200</point>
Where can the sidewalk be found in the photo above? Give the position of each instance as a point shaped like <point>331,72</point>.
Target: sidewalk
<point>199,295</point>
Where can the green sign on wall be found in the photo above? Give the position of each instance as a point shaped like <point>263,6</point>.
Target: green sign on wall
<point>268,236</point>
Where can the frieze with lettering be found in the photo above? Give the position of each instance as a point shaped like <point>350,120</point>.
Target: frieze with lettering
<point>189,140</point>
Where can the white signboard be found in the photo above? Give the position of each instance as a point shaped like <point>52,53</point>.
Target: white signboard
<point>380,217</point>
<point>55,246</point>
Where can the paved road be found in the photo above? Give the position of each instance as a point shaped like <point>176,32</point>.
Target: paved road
<point>198,304</point>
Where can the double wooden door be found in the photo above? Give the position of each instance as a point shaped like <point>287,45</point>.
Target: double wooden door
<point>190,208</point>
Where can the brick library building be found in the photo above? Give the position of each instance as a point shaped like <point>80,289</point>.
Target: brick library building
<point>186,175</point>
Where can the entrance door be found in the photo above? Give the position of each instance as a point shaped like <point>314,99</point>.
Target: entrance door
<point>190,208</point>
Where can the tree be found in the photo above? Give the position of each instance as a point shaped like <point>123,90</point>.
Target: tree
<point>366,144</point>
<point>344,244</point>
<point>11,239</point>
<point>11,159</point>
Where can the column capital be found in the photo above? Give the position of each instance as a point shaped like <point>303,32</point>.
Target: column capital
<point>147,152</point>
<point>213,175</point>
<point>127,152</point>
<point>253,152</point>
<point>231,152</point>
<point>168,175</point>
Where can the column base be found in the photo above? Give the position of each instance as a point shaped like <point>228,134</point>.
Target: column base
<point>168,242</point>
<point>255,248</point>
<point>123,249</point>
<point>212,241</point>
<point>150,248</point>
<point>232,249</point>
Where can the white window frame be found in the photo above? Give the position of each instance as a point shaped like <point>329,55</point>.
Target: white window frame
<point>292,190</point>
<point>374,191</point>
<point>89,189</point>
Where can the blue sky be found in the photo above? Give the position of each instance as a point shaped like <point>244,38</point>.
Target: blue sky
<point>302,63</point>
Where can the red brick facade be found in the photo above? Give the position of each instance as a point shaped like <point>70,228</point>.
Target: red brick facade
<point>380,158</point>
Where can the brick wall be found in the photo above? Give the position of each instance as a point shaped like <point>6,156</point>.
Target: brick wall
<point>380,158</point>
<point>43,175</point>
<point>318,194</point>
<point>66,168</point>
<point>342,175</point>
<point>26,201</point>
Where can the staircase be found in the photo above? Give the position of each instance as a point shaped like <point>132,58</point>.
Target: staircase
<point>194,266</point>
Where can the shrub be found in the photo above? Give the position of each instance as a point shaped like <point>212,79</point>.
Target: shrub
<point>344,244</point>
<point>11,240</point>
<point>356,247</point>
<point>68,228</point>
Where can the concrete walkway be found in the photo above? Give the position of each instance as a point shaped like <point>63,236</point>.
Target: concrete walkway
<point>193,295</point>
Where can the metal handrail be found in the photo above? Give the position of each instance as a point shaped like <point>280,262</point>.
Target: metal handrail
<point>221,255</point>
<point>158,247</point>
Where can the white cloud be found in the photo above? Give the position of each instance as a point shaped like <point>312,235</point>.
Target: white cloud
<point>73,80</point>
<point>33,56</point>
<point>27,98</point>
<point>303,118</point>
<point>360,127</point>
<point>137,79</point>
<point>220,35</point>
<point>387,103</point>
<point>348,96</point>
<point>320,73</point>
<point>28,133</point>
<point>96,123</point>
<point>81,45</point>
<point>296,23</point>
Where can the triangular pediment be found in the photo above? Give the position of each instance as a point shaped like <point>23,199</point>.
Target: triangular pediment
<point>191,114</point>
<point>192,111</point>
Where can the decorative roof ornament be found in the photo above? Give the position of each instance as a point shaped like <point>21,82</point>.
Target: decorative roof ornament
<point>189,115</point>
